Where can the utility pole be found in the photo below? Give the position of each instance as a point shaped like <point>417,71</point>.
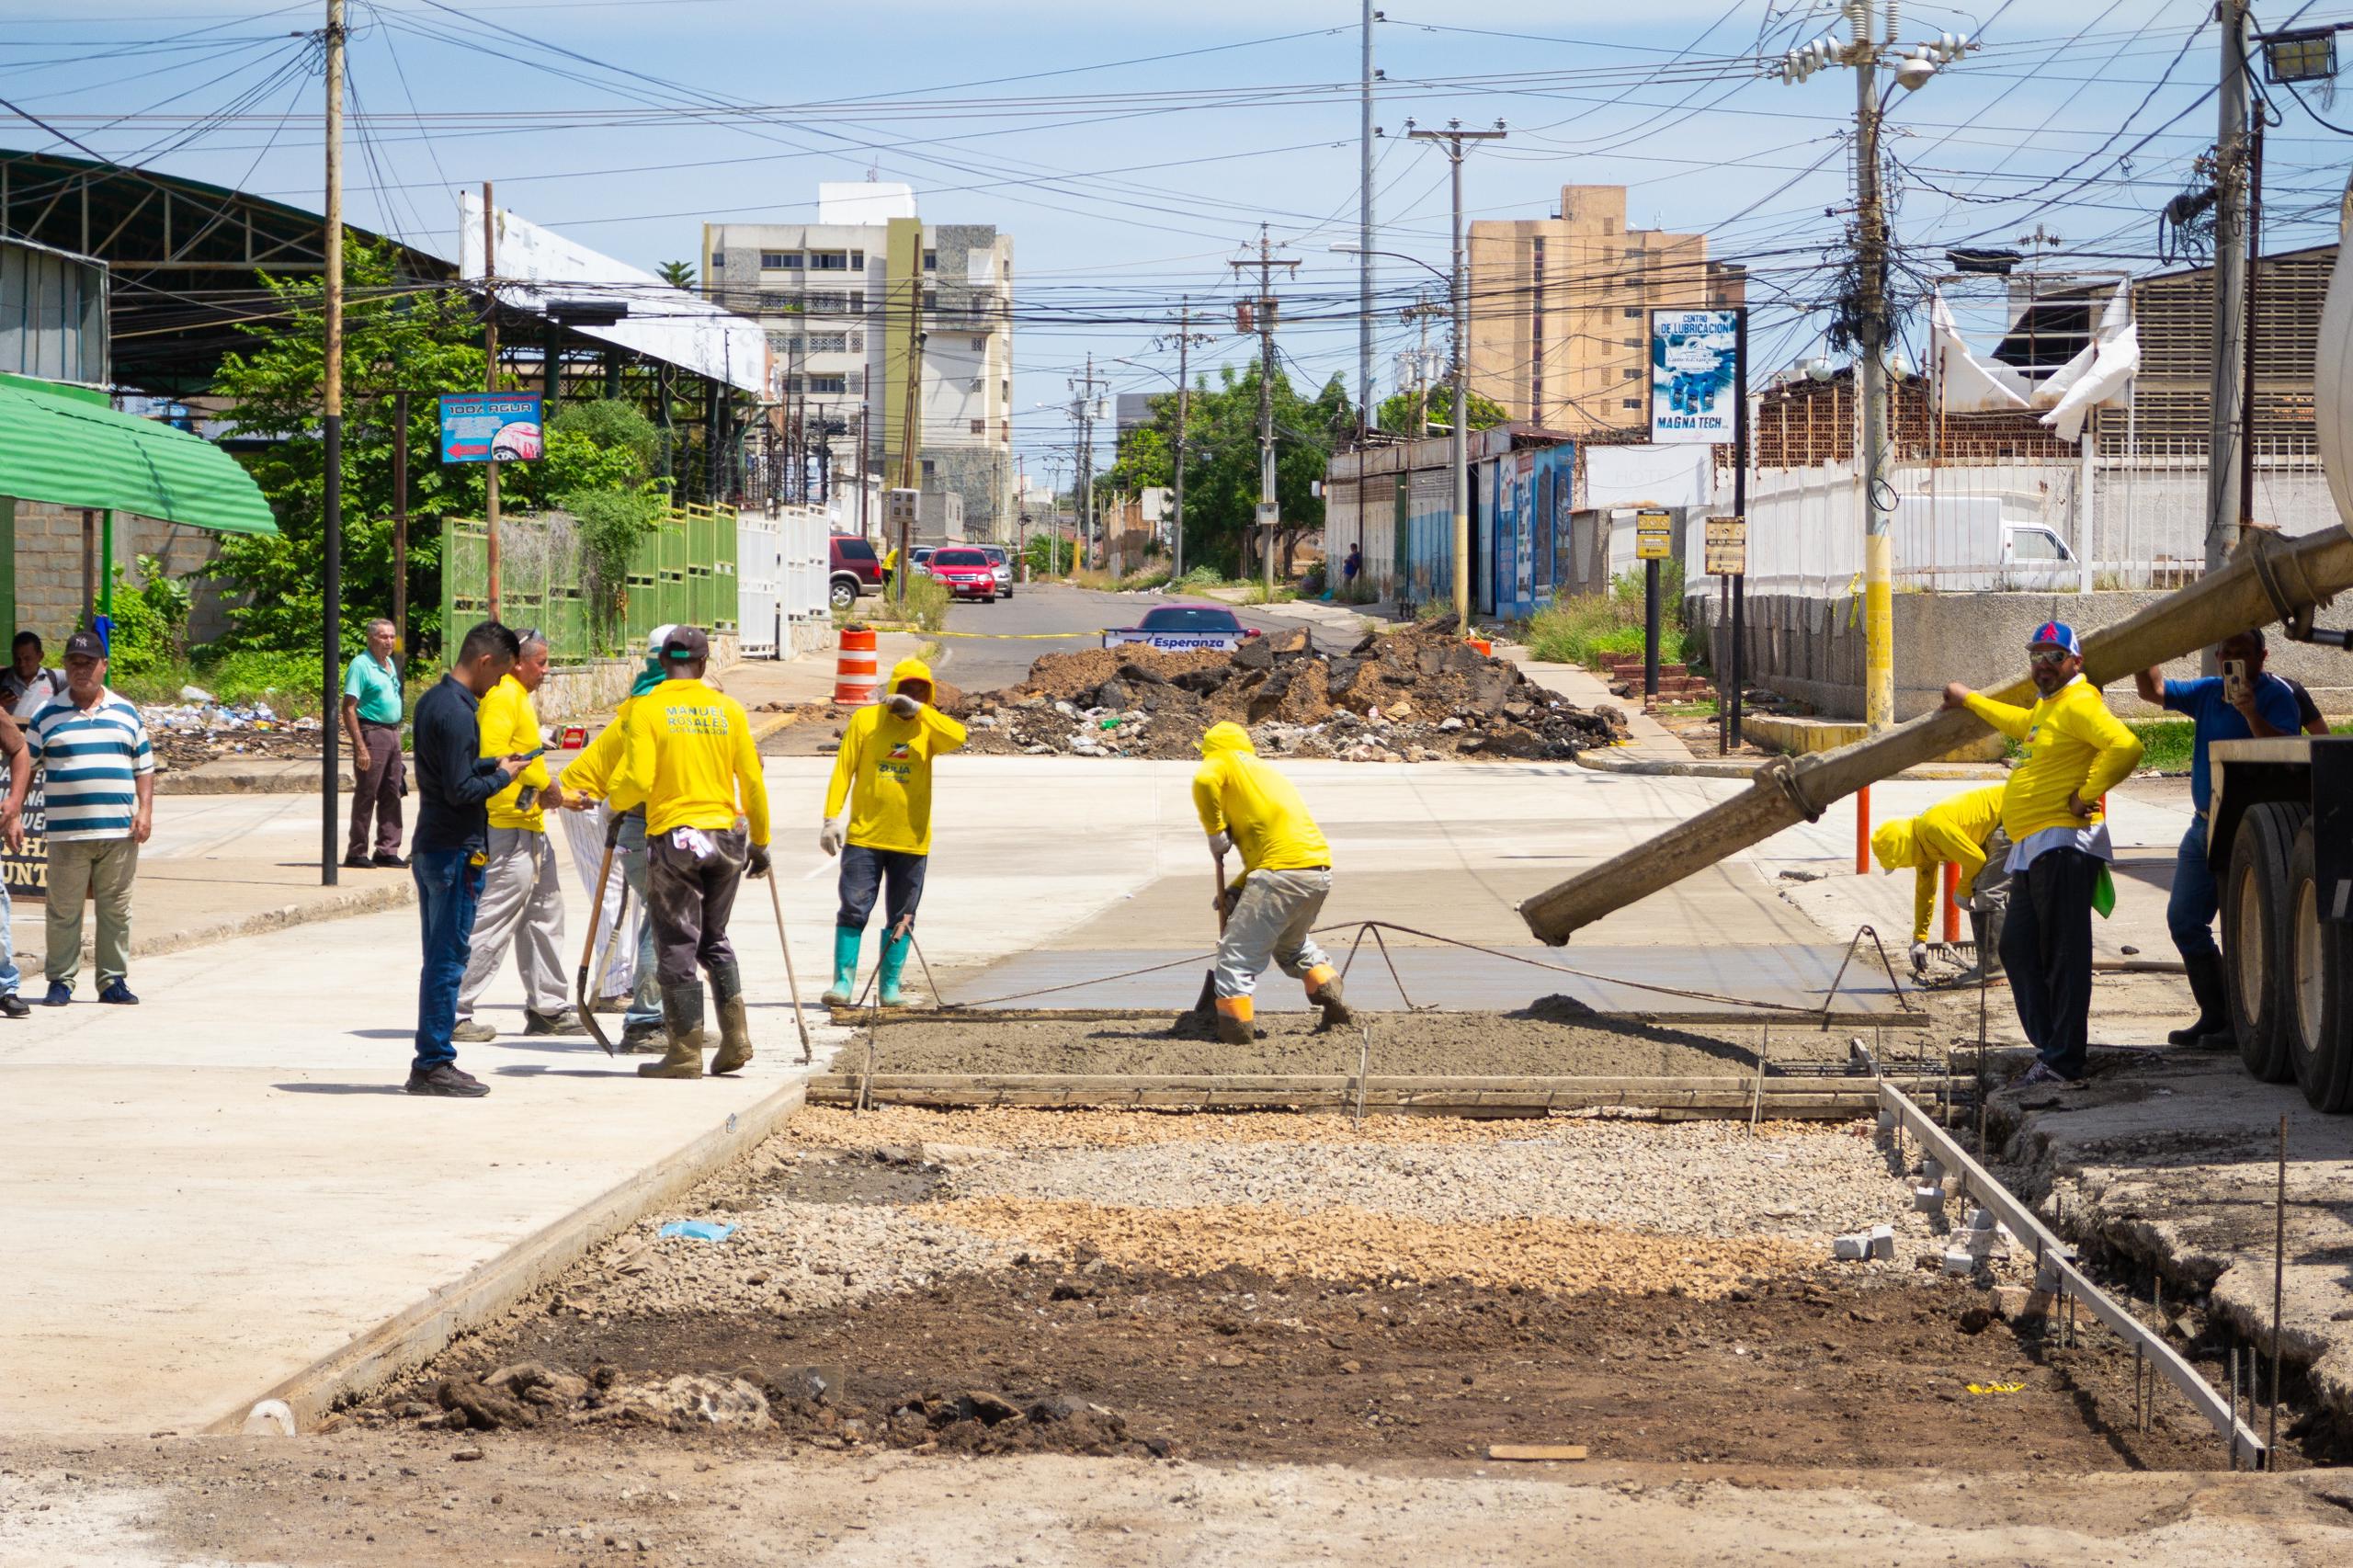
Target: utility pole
<point>1083,410</point>
<point>2226,436</point>
<point>863,405</point>
<point>1419,313</point>
<point>489,383</point>
<point>1186,338</point>
<point>330,440</point>
<point>1364,235</point>
<point>1453,136</point>
<point>1270,511</point>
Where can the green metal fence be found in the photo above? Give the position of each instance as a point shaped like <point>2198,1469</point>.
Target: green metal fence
<point>684,572</point>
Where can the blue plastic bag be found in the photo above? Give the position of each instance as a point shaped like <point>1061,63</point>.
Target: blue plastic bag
<point>699,1230</point>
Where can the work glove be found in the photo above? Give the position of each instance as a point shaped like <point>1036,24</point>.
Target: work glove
<point>829,837</point>
<point>759,863</point>
<point>1919,957</point>
<point>1220,842</point>
<point>905,707</point>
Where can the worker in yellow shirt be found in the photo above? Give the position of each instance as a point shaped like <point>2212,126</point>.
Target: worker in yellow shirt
<point>2075,752</point>
<point>587,783</point>
<point>1248,805</point>
<point>522,892</point>
<point>883,780</point>
<point>687,753</point>
<point>1964,832</point>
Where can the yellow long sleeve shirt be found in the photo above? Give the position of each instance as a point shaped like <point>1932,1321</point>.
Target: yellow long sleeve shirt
<point>1949,833</point>
<point>882,774</point>
<point>2074,747</point>
<point>687,752</point>
<point>510,724</point>
<point>1253,803</point>
<point>590,774</point>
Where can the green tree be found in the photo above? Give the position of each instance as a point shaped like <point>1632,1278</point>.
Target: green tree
<point>1401,412</point>
<point>677,274</point>
<point>424,341</point>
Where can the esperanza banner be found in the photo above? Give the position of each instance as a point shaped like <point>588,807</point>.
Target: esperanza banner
<point>1694,368</point>
<point>480,427</point>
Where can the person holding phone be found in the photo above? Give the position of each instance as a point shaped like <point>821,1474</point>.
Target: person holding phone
<point>2241,703</point>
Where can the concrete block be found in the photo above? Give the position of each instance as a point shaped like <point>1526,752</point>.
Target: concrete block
<point>1851,1249</point>
<point>1981,1220</point>
<point>1883,1239</point>
<point>1932,1171</point>
<point>1958,1260</point>
<point>1928,1199</point>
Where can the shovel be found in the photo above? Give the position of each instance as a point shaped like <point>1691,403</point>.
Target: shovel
<point>588,949</point>
<point>791,982</point>
<point>1205,1008</point>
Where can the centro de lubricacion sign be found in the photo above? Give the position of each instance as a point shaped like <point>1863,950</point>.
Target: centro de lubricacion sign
<point>1695,367</point>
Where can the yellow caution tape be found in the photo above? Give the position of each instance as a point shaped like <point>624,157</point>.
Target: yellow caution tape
<point>1995,1387</point>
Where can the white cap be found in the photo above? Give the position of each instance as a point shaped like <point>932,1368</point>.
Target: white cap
<point>656,638</point>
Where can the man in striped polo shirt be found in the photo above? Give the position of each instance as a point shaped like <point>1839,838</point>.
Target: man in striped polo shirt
<point>100,803</point>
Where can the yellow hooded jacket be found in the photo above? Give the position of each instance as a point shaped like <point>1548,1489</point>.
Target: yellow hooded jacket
<point>2073,745</point>
<point>1950,832</point>
<point>687,752</point>
<point>1235,793</point>
<point>884,766</point>
<point>510,725</point>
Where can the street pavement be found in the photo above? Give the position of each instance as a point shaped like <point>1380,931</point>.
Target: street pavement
<point>986,647</point>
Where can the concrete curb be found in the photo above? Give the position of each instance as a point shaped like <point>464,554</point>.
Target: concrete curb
<point>397,894</point>
<point>1610,762</point>
<point>410,1338</point>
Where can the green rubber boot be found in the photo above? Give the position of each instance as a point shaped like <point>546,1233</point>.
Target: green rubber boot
<point>844,990</point>
<point>894,963</point>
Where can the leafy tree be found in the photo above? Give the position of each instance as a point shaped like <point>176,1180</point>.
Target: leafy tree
<point>1401,412</point>
<point>677,274</point>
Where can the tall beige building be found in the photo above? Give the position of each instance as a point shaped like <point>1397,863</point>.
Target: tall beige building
<point>1558,309</point>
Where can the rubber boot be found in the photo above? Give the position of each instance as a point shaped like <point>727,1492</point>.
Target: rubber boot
<point>682,1015</point>
<point>1234,1026</point>
<point>734,1027</point>
<point>844,990</point>
<point>894,964</point>
<point>1324,991</point>
<point>2211,1031</point>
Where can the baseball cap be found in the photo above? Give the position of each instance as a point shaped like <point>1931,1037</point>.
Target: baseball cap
<point>656,638</point>
<point>2056,634</point>
<point>685,645</point>
<point>84,645</point>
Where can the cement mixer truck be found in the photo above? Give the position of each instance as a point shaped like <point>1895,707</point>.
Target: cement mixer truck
<point>2281,824</point>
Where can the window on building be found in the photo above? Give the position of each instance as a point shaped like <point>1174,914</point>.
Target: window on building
<point>779,304</point>
<point>857,301</point>
<point>780,260</point>
<point>829,261</point>
<point>857,383</point>
<point>1633,343</point>
<point>829,343</point>
<point>1610,226</point>
<point>981,344</point>
<point>718,261</point>
<point>931,301</point>
<point>979,426</point>
<point>792,383</point>
<point>857,343</point>
<point>828,304</point>
<point>1631,376</point>
<point>931,261</point>
<point>858,261</point>
<point>1633,313</point>
<point>1629,402</point>
<point>927,466</point>
<point>833,384</point>
<point>980,383</point>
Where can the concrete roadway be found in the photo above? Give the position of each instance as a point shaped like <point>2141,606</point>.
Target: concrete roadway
<point>992,645</point>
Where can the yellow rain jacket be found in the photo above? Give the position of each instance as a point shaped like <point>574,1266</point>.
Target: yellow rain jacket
<point>2073,745</point>
<point>1236,794</point>
<point>687,753</point>
<point>510,725</point>
<point>884,766</point>
<point>1951,832</point>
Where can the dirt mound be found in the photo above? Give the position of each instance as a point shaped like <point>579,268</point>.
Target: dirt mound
<point>1420,694</point>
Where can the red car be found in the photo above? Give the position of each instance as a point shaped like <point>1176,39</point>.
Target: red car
<point>855,570</point>
<point>967,573</point>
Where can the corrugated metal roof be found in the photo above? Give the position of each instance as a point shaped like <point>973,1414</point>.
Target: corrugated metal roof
<point>60,448</point>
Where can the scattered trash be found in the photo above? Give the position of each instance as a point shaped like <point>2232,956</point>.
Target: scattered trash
<point>1995,1387</point>
<point>195,694</point>
<point>1535,1451</point>
<point>699,1230</point>
<point>271,1418</point>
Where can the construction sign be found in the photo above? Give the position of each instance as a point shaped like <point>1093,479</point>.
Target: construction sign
<point>1727,547</point>
<point>1654,534</point>
<point>26,870</point>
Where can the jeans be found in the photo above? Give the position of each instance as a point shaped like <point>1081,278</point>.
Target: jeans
<point>2046,952</point>
<point>895,872</point>
<point>2190,913</point>
<point>645,985</point>
<point>448,886</point>
<point>690,897</point>
<point>1270,921</point>
<point>100,870</point>
<point>9,977</point>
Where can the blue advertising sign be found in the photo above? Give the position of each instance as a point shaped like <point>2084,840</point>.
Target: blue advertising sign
<point>1694,367</point>
<point>480,427</point>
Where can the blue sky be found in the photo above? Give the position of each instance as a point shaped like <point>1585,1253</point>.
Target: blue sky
<point>1131,149</point>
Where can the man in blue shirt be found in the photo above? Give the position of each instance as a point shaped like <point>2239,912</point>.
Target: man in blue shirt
<point>2266,707</point>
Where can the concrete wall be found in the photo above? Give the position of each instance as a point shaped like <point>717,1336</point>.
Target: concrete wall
<point>1812,649</point>
<point>49,567</point>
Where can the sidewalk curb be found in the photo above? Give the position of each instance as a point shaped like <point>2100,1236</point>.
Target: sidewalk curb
<point>408,1339</point>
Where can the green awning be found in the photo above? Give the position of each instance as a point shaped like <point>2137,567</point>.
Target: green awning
<point>61,448</point>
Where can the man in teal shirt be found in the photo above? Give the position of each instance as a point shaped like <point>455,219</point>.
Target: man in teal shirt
<point>372,718</point>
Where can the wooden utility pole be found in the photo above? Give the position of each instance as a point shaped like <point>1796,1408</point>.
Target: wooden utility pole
<point>1268,511</point>
<point>330,441</point>
<point>489,383</point>
<point>864,466</point>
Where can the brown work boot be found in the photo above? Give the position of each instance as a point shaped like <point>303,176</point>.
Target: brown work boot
<point>734,1027</point>
<point>682,1015</point>
<point>1233,1021</point>
<point>1324,991</point>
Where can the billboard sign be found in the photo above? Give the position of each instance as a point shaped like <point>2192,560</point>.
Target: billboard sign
<point>480,427</point>
<point>1653,535</point>
<point>1694,371</point>
<point>1727,553</point>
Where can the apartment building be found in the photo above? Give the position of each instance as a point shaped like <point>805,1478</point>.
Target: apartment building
<point>840,299</point>
<point>1558,309</point>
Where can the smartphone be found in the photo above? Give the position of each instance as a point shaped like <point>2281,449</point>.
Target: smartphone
<point>534,754</point>
<point>2234,686</point>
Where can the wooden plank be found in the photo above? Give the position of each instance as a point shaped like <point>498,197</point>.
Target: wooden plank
<point>1535,1451</point>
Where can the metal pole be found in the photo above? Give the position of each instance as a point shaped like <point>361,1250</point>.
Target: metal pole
<point>1740,509</point>
<point>1364,234</point>
<point>330,441</point>
<point>1461,445</point>
<point>1184,413</point>
<point>489,383</point>
<point>1649,634</point>
<point>1878,540</point>
<point>2224,503</point>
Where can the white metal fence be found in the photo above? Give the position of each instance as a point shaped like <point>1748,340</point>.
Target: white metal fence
<point>780,579</point>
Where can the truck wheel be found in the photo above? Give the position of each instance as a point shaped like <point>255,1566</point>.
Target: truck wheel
<point>2255,920</point>
<point>2319,970</point>
<point>843,595</point>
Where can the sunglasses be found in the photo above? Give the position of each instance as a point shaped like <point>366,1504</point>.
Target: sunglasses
<point>2046,655</point>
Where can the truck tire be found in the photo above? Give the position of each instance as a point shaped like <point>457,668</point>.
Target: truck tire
<point>2255,918</point>
<point>2319,976</point>
<point>842,592</point>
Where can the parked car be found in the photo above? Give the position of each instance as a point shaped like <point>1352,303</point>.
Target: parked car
<point>1003,564</point>
<point>855,569</point>
<point>1183,628</point>
<point>966,571</point>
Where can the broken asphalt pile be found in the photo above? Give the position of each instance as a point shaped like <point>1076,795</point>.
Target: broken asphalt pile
<point>1420,694</point>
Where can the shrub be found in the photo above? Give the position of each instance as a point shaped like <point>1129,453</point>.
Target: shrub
<point>150,621</point>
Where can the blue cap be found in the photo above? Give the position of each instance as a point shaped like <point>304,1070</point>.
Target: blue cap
<point>2056,634</point>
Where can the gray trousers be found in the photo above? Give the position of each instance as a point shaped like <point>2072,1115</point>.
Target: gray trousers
<point>100,870</point>
<point>1271,922</point>
<point>522,906</point>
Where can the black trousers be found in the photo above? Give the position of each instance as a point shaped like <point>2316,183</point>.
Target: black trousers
<point>2047,950</point>
<point>689,898</point>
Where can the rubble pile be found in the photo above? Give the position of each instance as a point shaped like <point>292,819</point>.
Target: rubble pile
<point>200,728</point>
<point>1421,694</point>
